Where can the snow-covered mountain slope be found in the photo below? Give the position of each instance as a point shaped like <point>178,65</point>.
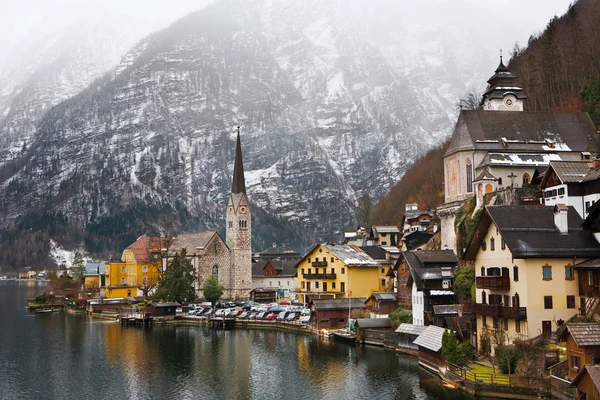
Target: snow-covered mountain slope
<point>328,112</point>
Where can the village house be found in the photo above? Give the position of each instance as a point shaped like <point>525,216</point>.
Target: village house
<point>583,346</point>
<point>425,279</point>
<point>95,278</point>
<point>384,236</point>
<point>381,304</point>
<point>275,273</point>
<point>334,313</point>
<point>429,343</point>
<point>278,252</point>
<point>501,145</point>
<point>587,383</point>
<point>136,271</point>
<point>332,271</point>
<point>525,278</point>
<point>574,183</point>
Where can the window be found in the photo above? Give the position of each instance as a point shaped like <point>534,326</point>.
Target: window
<point>482,271</point>
<point>122,281</point>
<point>303,285</point>
<point>570,301</point>
<point>342,286</point>
<point>333,285</point>
<point>590,278</point>
<point>383,282</point>
<point>230,224</point>
<point>483,246</point>
<point>516,273</point>
<point>324,286</point>
<point>302,271</point>
<point>144,281</point>
<point>316,284</point>
<point>502,244</point>
<point>569,273</point>
<point>505,321</point>
<point>495,323</point>
<point>517,326</point>
<point>332,259</point>
<point>526,178</point>
<point>333,270</point>
<point>483,320</point>
<point>383,270</point>
<point>575,363</point>
<point>316,259</point>
<point>129,293</point>
<point>144,268</point>
<point>446,284</point>
<point>122,269</point>
<point>279,283</point>
<point>308,259</point>
<point>547,272</point>
<point>215,271</point>
<point>547,302</point>
<point>561,191</point>
<point>469,176</point>
<point>492,244</point>
<point>310,271</point>
<point>483,298</point>
<point>343,270</point>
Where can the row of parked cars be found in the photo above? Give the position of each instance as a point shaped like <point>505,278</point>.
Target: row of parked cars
<point>254,312</point>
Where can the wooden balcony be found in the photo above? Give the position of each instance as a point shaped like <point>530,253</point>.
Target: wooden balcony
<point>319,263</point>
<point>493,282</point>
<point>492,310</point>
<point>320,276</point>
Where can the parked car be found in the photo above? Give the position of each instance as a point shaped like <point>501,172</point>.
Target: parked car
<point>260,315</point>
<point>304,319</point>
<point>291,317</point>
<point>243,314</point>
<point>204,311</point>
<point>219,313</point>
<point>282,315</point>
<point>305,311</point>
<point>271,316</point>
<point>251,315</point>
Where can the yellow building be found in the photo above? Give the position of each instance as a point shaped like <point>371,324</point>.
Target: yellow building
<point>525,280</point>
<point>339,271</point>
<point>137,272</point>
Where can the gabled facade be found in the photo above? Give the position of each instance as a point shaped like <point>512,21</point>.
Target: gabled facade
<point>574,183</point>
<point>277,274</point>
<point>583,346</point>
<point>331,271</point>
<point>523,258</point>
<point>430,281</point>
<point>383,236</point>
<point>137,270</point>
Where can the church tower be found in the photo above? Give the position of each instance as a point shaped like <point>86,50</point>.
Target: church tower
<point>239,230</point>
<point>502,93</point>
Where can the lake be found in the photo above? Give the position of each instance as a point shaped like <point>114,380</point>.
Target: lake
<point>60,356</point>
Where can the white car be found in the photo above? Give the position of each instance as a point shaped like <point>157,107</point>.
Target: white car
<point>304,319</point>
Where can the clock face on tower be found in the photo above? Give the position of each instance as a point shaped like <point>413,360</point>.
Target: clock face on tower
<point>243,210</point>
<point>508,102</point>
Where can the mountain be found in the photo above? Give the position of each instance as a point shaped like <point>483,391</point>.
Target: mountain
<point>332,101</point>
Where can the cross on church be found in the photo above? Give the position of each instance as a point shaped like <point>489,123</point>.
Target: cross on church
<point>512,177</point>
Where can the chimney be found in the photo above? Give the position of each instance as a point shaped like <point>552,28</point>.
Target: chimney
<point>560,218</point>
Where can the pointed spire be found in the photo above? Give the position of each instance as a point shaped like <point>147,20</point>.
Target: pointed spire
<point>239,183</point>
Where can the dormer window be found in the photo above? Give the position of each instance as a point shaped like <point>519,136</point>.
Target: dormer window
<point>586,155</point>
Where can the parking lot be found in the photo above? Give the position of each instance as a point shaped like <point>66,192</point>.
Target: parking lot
<point>252,311</point>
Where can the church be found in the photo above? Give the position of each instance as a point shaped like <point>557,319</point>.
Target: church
<point>229,260</point>
<point>501,145</point>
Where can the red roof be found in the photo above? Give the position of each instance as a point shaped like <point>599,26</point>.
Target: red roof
<point>144,246</point>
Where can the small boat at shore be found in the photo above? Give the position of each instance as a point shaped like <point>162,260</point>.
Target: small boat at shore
<point>43,310</point>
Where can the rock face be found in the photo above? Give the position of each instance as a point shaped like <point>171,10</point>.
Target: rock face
<point>326,113</point>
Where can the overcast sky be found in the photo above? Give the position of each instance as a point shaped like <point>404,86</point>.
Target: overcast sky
<point>23,22</point>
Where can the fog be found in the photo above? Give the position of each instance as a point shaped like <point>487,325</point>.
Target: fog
<point>495,25</point>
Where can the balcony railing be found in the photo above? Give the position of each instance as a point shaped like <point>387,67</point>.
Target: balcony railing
<point>492,310</point>
<point>320,276</point>
<point>493,282</point>
<point>319,263</point>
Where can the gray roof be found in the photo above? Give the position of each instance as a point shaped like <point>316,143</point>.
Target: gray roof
<point>410,329</point>
<point>95,268</point>
<point>161,305</point>
<point>351,255</point>
<point>280,251</point>
<point>585,334</point>
<point>518,159</point>
<point>376,252</point>
<point>591,263</point>
<point>428,264</point>
<point>530,232</point>
<point>593,371</point>
<point>386,229</point>
<point>374,323</point>
<point>384,297</point>
<point>190,241</point>
<point>573,171</point>
<point>524,131</point>
<point>485,175</point>
<point>258,269</point>
<point>238,185</point>
<point>339,304</point>
<point>450,309</point>
<point>431,338</point>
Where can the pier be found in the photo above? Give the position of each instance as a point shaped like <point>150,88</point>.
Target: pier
<point>135,317</point>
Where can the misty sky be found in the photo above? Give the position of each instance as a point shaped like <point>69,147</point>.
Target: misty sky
<point>22,23</point>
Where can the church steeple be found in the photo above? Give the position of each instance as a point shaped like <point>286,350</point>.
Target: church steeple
<point>502,93</point>
<point>239,183</point>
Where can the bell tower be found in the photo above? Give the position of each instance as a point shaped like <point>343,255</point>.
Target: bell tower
<point>238,233</point>
<point>502,93</point>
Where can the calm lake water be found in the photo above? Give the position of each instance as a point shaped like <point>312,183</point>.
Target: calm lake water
<point>60,356</point>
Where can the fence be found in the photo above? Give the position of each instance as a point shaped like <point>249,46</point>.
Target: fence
<point>561,389</point>
<point>493,379</point>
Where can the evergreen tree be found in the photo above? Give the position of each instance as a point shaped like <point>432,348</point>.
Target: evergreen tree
<point>78,268</point>
<point>177,282</point>
<point>213,290</point>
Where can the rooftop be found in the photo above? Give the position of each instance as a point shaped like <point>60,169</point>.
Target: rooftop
<point>431,338</point>
<point>339,304</point>
<point>585,334</point>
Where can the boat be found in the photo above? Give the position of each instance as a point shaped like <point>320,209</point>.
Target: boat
<point>44,310</point>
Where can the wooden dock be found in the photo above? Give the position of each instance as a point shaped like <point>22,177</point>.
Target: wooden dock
<point>222,322</point>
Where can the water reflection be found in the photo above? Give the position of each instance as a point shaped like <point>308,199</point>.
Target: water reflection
<point>62,356</point>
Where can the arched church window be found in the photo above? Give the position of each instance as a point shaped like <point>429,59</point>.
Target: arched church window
<point>526,179</point>
<point>469,176</point>
<point>215,271</point>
